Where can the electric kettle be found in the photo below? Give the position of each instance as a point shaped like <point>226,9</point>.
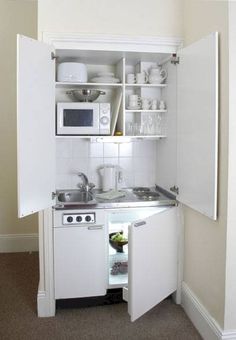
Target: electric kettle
<point>111,175</point>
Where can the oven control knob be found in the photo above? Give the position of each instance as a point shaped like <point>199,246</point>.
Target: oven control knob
<point>79,218</point>
<point>69,219</point>
<point>88,218</point>
<point>104,120</point>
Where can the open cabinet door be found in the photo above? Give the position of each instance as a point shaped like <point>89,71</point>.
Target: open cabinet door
<point>35,125</point>
<point>197,125</point>
<point>152,274</point>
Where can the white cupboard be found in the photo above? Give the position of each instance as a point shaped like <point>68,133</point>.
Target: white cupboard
<point>187,152</point>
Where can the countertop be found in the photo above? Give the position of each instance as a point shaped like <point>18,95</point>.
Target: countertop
<point>130,200</point>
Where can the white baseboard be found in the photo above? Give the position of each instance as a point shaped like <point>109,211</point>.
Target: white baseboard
<point>202,320</point>
<point>15,243</point>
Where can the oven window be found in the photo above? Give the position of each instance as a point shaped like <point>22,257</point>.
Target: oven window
<point>79,117</point>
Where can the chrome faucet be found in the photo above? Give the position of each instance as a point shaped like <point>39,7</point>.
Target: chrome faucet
<point>85,185</point>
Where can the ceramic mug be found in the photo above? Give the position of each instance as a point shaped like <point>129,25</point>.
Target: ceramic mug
<point>141,78</point>
<point>131,79</point>
<point>134,101</point>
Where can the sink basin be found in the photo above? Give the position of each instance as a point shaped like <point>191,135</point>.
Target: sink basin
<point>75,197</point>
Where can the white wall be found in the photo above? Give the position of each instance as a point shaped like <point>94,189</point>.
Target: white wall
<point>230,299</point>
<point>142,17</point>
<point>15,17</point>
<point>205,240</point>
<point>136,159</point>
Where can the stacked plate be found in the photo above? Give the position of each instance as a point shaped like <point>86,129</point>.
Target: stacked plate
<point>105,77</point>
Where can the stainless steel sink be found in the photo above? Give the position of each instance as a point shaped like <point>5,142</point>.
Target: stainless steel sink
<point>75,197</point>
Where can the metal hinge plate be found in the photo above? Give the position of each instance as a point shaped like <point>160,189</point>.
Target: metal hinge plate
<point>53,56</point>
<point>174,59</point>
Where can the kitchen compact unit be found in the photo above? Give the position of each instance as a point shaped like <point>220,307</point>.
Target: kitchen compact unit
<point>186,163</point>
<point>85,264</point>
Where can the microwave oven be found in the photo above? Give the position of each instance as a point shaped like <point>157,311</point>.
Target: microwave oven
<point>83,118</point>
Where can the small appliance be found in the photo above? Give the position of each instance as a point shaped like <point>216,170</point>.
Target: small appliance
<point>83,118</point>
<point>72,72</point>
<point>111,175</point>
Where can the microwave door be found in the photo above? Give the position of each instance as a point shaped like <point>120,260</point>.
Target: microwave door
<point>78,121</point>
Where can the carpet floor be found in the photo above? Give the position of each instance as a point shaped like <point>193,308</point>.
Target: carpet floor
<point>18,318</point>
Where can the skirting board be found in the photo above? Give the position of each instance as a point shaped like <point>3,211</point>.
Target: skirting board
<point>208,328</point>
<point>15,243</point>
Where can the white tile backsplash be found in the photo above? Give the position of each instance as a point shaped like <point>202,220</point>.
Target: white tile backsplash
<point>145,149</point>
<point>126,163</point>
<point>80,148</point>
<point>63,166</point>
<point>111,150</point>
<point>111,160</point>
<point>63,148</point>
<point>96,150</point>
<point>125,150</point>
<point>137,160</point>
<point>79,165</point>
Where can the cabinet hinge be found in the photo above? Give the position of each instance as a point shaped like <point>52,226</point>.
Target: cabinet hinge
<point>53,195</point>
<point>174,59</point>
<point>53,56</point>
<point>175,189</point>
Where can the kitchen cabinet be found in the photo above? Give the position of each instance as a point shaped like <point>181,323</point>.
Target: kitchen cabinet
<point>187,156</point>
<point>80,258</point>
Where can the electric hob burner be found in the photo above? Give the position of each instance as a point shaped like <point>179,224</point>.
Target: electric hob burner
<point>137,190</point>
<point>147,196</point>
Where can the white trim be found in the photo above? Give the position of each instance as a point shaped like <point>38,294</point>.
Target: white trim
<point>45,299</point>
<point>44,306</point>
<point>14,243</point>
<point>113,42</point>
<point>200,317</point>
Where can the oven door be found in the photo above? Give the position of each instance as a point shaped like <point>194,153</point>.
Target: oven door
<point>77,118</point>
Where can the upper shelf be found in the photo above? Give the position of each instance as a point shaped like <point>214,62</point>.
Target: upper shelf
<point>64,84</point>
<point>145,85</point>
<point>68,84</point>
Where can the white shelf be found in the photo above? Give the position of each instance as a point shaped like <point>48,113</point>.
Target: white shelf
<point>64,84</point>
<point>149,111</point>
<point>148,136</point>
<point>117,281</point>
<point>145,85</point>
<point>112,139</point>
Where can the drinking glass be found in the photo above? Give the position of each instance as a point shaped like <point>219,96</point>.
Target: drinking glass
<point>137,129</point>
<point>158,124</point>
<point>129,129</point>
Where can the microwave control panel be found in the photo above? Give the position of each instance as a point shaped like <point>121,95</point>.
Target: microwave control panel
<point>105,118</point>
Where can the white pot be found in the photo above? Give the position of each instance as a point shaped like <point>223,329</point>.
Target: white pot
<point>72,72</point>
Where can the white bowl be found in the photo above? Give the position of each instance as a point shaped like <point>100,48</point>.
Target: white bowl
<point>72,72</point>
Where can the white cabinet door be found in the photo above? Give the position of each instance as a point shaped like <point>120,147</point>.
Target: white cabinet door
<point>197,125</point>
<point>80,261</point>
<point>35,125</point>
<point>152,274</point>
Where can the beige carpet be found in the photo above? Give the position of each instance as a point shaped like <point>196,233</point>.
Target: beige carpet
<point>18,319</point>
